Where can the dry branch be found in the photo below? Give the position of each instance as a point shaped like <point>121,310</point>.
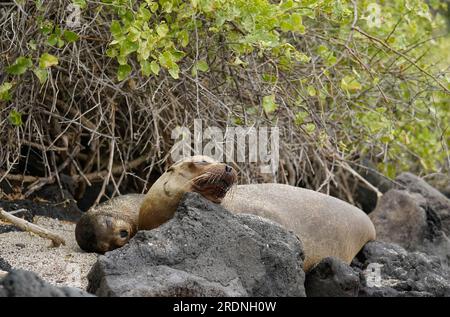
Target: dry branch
<point>362,179</point>
<point>30,227</point>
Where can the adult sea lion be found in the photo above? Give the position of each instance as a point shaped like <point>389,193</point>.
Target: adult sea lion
<point>326,225</point>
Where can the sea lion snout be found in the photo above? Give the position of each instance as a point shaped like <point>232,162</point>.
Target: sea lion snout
<point>214,181</point>
<point>200,174</point>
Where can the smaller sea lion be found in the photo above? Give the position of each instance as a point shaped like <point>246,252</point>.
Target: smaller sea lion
<point>109,225</point>
<point>113,223</point>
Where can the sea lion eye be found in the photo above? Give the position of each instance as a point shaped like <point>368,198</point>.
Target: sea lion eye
<point>123,233</point>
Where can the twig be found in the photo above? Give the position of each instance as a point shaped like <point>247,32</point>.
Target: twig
<point>17,211</point>
<point>45,148</point>
<point>362,179</point>
<point>375,39</point>
<point>112,145</point>
<point>28,226</point>
<point>118,169</point>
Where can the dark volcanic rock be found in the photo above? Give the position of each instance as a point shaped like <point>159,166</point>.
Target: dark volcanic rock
<point>4,266</point>
<point>411,221</point>
<point>439,181</point>
<point>332,277</point>
<point>406,219</point>
<point>8,228</point>
<point>20,283</point>
<point>435,200</point>
<point>204,251</point>
<point>389,270</point>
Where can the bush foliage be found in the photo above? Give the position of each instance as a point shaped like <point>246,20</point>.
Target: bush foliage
<point>342,79</point>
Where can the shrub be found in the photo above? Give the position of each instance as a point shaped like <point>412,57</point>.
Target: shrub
<point>342,79</point>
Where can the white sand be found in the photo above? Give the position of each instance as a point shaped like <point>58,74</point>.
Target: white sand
<point>63,266</point>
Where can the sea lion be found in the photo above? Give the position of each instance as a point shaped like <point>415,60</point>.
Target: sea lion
<point>326,225</point>
<point>109,225</point>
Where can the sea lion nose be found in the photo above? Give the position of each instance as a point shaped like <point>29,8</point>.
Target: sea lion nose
<point>228,169</point>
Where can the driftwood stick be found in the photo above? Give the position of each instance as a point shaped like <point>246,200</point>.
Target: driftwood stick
<point>28,226</point>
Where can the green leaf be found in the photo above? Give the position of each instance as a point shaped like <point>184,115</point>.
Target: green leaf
<point>154,66</point>
<point>123,72</point>
<point>350,84</point>
<point>174,71</point>
<point>60,42</point>
<point>46,27</point>
<point>145,68</point>
<point>330,60</point>
<point>111,52</point>
<point>166,60</point>
<point>310,127</point>
<point>311,91</point>
<point>41,74</point>
<point>297,23</point>
<point>32,45</point>
<point>47,60</point>
<point>162,30</point>
<point>300,117</point>
<point>153,6</point>
<point>293,23</point>
<point>70,36</point>
<point>20,66</point>
<point>269,78</point>
<point>269,104</point>
<point>52,39</point>
<point>15,118</point>
<point>128,47</point>
<point>184,38</point>
<point>116,29</point>
<point>80,3</point>
<point>322,50</point>
<point>4,91</point>
<point>301,57</point>
<point>202,66</point>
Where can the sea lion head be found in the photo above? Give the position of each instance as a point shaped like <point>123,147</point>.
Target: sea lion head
<point>110,225</point>
<point>101,233</point>
<point>203,175</point>
<point>200,174</point>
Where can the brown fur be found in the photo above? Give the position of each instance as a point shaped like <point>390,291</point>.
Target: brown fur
<point>99,229</point>
<point>326,225</point>
<point>198,173</point>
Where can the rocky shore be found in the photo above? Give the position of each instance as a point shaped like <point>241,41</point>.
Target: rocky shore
<point>207,251</point>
